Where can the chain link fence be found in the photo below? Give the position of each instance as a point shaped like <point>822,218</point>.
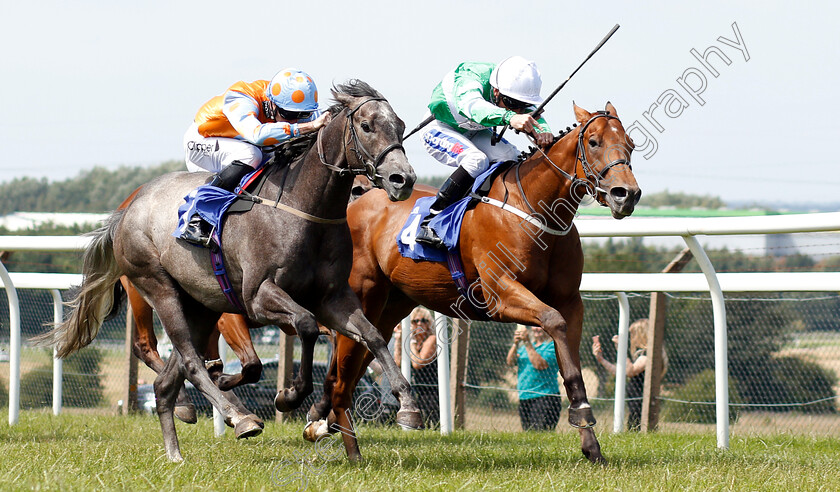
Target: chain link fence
<point>784,364</point>
<point>95,379</point>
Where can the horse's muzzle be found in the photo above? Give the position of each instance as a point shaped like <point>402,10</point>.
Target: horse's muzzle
<point>399,185</point>
<point>622,200</point>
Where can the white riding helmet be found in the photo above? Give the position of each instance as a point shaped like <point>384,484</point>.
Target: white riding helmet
<point>518,78</point>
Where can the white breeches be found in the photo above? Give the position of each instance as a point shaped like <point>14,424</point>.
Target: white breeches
<point>472,151</point>
<point>216,153</point>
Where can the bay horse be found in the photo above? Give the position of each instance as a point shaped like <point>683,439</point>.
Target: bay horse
<point>288,267</point>
<point>233,327</point>
<point>528,274</point>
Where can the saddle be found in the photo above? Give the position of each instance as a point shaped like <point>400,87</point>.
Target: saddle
<point>447,224</point>
<point>213,204</point>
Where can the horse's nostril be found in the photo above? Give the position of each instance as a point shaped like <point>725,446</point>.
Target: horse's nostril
<point>357,191</point>
<point>618,193</point>
<point>397,179</point>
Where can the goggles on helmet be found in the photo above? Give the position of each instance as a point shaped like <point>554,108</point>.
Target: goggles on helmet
<point>513,104</point>
<point>292,115</point>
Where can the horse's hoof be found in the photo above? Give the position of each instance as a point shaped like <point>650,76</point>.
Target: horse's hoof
<point>186,413</point>
<point>285,400</point>
<point>410,420</point>
<point>582,418</point>
<point>246,428</point>
<point>314,414</point>
<point>280,403</point>
<point>597,459</point>
<point>315,429</point>
<point>595,456</point>
<point>259,421</point>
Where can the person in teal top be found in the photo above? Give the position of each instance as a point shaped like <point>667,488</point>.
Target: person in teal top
<point>467,105</point>
<point>539,393</point>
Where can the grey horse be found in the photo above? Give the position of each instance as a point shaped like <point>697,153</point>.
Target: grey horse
<point>288,262</point>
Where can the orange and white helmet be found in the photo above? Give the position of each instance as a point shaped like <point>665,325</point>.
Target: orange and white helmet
<point>519,79</point>
<point>293,90</point>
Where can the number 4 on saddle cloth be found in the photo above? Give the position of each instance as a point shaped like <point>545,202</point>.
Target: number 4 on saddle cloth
<point>447,225</point>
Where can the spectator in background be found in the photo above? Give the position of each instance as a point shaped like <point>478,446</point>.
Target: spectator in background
<point>539,393</point>
<point>636,365</point>
<point>424,377</point>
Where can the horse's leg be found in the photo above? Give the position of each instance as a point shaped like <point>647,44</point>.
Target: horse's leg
<point>167,384</point>
<point>237,335</point>
<point>272,305</point>
<point>144,347</point>
<point>342,312</point>
<point>580,413</point>
<point>518,304</point>
<point>187,323</point>
<point>321,409</point>
<point>215,368</point>
<point>352,358</point>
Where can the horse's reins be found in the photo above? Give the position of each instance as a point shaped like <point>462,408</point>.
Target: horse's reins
<point>368,168</point>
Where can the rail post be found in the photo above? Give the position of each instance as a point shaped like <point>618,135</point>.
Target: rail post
<point>621,361</point>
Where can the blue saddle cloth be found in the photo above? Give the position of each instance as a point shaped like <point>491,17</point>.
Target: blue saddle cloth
<point>211,204</point>
<point>447,224</point>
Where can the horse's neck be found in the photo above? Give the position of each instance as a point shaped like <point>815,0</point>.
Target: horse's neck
<point>546,189</point>
<point>313,188</point>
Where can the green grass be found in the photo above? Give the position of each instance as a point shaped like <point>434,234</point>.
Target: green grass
<point>81,452</point>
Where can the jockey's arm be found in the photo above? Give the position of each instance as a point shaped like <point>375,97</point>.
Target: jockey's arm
<point>242,110</point>
<point>470,102</point>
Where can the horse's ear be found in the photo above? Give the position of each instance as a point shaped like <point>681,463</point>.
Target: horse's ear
<point>611,109</point>
<point>581,114</point>
<point>344,99</point>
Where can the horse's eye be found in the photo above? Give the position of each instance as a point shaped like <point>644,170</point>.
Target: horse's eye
<point>593,142</point>
<point>366,127</point>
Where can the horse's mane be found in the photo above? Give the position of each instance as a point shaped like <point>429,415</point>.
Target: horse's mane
<point>354,88</point>
<point>525,154</point>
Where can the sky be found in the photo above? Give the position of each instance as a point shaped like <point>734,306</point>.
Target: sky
<point>90,83</point>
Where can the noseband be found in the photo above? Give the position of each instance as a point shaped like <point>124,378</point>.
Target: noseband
<point>590,176</point>
<point>584,163</point>
<point>365,158</point>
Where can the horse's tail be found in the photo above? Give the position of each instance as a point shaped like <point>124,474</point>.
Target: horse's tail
<point>93,302</point>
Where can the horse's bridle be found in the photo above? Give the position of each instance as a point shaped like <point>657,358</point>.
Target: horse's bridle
<point>368,162</point>
<point>590,176</point>
<point>584,163</point>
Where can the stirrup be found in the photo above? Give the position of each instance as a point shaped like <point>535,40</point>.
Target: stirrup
<point>194,233</point>
<point>204,241</point>
<point>429,237</point>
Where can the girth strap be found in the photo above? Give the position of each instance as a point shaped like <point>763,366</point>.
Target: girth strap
<point>456,269</point>
<point>218,262</point>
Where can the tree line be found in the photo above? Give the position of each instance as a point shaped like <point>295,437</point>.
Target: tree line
<point>100,190</point>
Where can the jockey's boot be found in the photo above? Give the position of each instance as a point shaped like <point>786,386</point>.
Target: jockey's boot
<point>452,190</point>
<point>198,231</point>
<point>228,178</point>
